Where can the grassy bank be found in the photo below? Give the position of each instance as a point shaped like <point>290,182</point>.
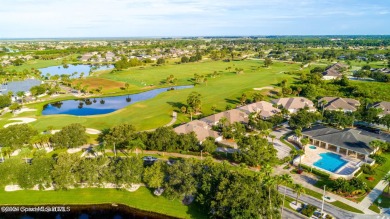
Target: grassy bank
<point>142,199</point>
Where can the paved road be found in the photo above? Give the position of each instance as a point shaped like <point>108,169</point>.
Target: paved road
<point>288,214</point>
<point>338,213</point>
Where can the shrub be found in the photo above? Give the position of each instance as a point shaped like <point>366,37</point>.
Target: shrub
<point>367,169</point>
<point>309,210</point>
<point>378,159</point>
<point>328,217</point>
<point>316,172</point>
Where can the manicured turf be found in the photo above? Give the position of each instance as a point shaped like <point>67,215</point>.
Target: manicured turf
<point>142,199</point>
<point>380,172</point>
<point>220,91</point>
<point>109,86</point>
<point>385,197</point>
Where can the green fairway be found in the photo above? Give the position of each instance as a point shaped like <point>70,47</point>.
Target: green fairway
<point>219,91</point>
<point>142,199</point>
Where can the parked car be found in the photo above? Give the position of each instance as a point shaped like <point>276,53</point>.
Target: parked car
<point>149,159</point>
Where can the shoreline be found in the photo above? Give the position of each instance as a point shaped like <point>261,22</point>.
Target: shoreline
<point>73,210</point>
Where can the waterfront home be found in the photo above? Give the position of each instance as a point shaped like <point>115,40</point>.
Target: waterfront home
<point>294,104</point>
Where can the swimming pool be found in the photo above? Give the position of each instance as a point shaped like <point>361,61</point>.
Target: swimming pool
<point>312,147</point>
<point>330,161</point>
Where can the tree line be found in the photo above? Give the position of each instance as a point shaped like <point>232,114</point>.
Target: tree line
<point>220,191</point>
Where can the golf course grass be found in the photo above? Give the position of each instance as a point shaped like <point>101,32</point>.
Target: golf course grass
<point>222,90</point>
<point>142,199</point>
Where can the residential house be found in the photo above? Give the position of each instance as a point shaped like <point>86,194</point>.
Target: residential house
<point>200,128</point>
<point>232,116</point>
<point>384,106</point>
<point>333,73</point>
<point>264,109</point>
<point>339,103</point>
<point>294,104</point>
<point>348,142</point>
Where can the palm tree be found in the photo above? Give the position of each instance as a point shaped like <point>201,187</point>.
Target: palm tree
<point>323,103</point>
<point>272,138</point>
<point>267,170</point>
<point>101,148</point>
<point>387,181</point>
<point>135,144</point>
<point>298,132</point>
<point>265,132</point>
<point>304,142</point>
<point>190,111</point>
<point>213,108</point>
<point>299,190</point>
<point>300,153</point>
<point>379,145</point>
<point>269,184</point>
<point>222,122</point>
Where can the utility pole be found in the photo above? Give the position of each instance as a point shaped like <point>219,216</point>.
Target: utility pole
<point>284,197</point>
<point>323,200</point>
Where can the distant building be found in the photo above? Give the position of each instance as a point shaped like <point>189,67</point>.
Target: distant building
<point>333,73</point>
<point>339,103</point>
<point>294,104</point>
<point>384,106</point>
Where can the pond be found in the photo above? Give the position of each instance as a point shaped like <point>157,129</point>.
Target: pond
<point>101,105</point>
<point>103,211</point>
<point>74,70</point>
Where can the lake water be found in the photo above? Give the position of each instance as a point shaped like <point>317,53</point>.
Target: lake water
<point>60,70</point>
<point>104,211</point>
<point>101,105</point>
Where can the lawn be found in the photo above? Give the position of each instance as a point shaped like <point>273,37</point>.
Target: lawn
<point>142,199</point>
<point>35,64</point>
<point>109,86</point>
<point>380,172</point>
<point>385,199</point>
<point>220,91</point>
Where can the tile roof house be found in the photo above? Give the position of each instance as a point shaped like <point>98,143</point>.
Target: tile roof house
<point>333,72</point>
<point>339,103</point>
<point>346,142</point>
<point>263,108</point>
<point>200,128</point>
<point>293,104</point>
<point>385,106</point>
<point>232,116</point>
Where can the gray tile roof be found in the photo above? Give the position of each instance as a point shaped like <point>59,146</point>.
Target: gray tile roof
<point>351,139</point>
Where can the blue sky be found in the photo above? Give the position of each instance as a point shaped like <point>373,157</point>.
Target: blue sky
<point>134,18</point>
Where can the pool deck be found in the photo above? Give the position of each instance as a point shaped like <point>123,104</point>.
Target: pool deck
<point>313,155</point>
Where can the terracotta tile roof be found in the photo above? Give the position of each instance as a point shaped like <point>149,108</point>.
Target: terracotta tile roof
<point>336,103</point>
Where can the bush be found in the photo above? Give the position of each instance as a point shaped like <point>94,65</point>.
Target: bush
<point>315,171</point>
<point>358,172</point>
<point>378,159</point>
<point>328,217</point>
<point>367,169</point>
<point>309,210</point>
